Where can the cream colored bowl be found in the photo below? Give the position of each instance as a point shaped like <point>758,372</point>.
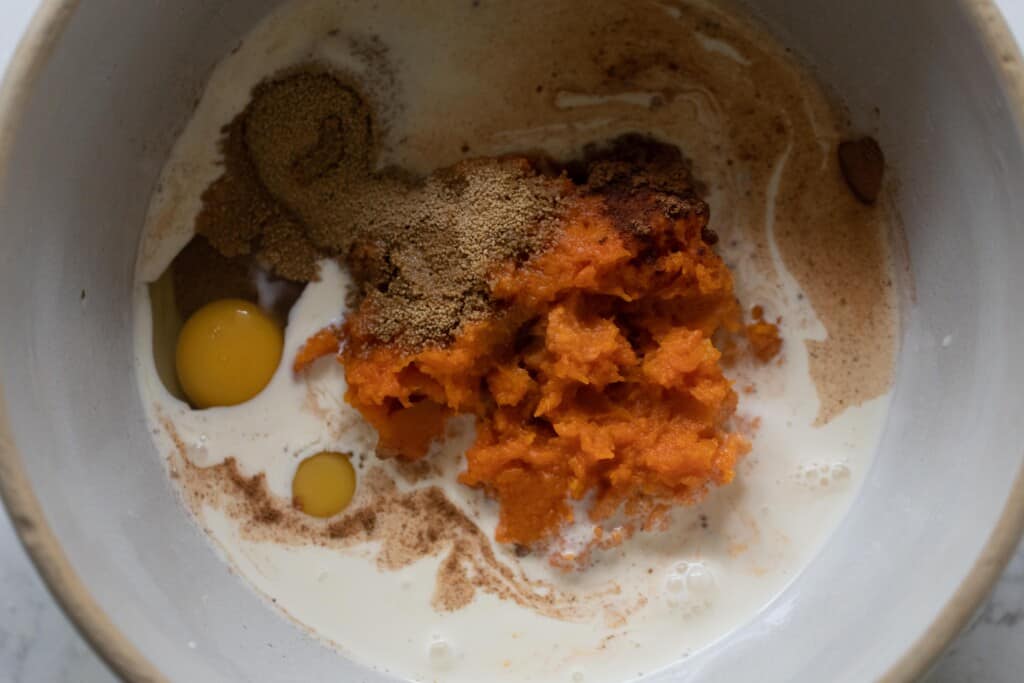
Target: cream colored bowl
<point>90,107</point>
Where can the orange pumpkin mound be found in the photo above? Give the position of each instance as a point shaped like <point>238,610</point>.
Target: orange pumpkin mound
<point>597,373</point>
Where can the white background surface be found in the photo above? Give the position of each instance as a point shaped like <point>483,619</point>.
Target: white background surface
<point>38,645</point>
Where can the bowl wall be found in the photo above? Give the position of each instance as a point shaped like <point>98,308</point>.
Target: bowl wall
<point>94,124</point>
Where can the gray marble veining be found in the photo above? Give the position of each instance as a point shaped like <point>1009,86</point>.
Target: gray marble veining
<point>991,649</point>
<point>37,643</point>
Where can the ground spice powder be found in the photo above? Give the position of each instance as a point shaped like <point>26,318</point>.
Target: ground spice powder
<point>299,185</point>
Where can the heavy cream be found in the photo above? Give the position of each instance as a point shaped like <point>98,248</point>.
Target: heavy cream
<point>484,80</point>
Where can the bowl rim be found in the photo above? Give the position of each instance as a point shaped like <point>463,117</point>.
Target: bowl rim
<point>127,661</point>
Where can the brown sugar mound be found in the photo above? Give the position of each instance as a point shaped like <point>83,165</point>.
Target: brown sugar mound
<point>862,164</point>
<point>299,185</point>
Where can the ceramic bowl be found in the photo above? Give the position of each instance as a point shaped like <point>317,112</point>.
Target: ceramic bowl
<point>89,110</point>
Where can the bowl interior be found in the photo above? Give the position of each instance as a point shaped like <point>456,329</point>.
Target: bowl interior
<point>88,148</point>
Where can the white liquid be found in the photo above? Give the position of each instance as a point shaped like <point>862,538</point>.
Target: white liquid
<point>678,590</point>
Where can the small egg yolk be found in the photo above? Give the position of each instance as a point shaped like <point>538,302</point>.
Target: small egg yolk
<point>324,484</point>
<point>227,352</point>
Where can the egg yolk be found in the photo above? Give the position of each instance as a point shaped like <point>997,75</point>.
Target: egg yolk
<point>227,352</point>
<point>324,484</point>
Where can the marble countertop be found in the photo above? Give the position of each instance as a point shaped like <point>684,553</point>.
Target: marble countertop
<point>39,645</point>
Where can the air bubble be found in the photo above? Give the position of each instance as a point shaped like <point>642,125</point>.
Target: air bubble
<point>699,580</point>
<point>197,451</point>
<point>821,475</point>
<point>689,587</point>
<point>675,584</point>
<point>440,653</point>
<point>578,677</point>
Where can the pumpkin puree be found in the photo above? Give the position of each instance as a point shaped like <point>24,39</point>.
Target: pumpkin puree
<point>596,375</point>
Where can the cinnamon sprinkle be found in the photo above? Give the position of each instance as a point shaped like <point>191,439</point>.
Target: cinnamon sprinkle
<point>405,525</point>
